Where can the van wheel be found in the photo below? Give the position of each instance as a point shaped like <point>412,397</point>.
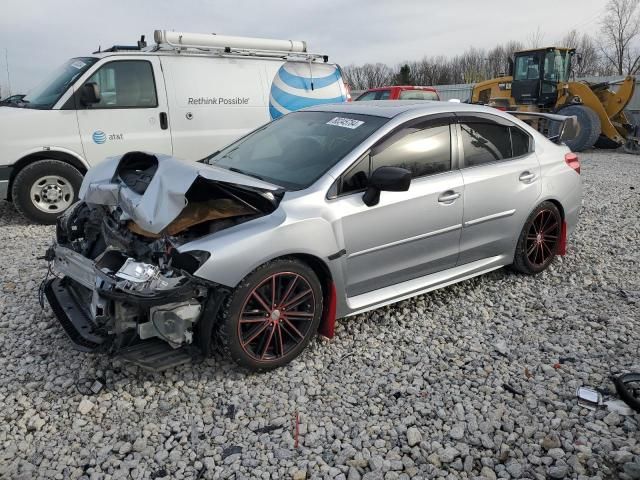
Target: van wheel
<point>44,189</point>
<point>272,315</point>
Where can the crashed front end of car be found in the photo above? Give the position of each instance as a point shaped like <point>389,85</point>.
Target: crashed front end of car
<point>128,282</point>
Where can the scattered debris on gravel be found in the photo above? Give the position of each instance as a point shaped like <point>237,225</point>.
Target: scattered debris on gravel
<point>475,380</point>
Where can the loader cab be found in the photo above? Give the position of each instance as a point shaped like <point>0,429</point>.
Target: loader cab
<point>537,74</point>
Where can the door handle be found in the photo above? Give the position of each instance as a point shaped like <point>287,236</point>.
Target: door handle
<point>448,197</point>
<point>527,177</point>
<point>164,121</point>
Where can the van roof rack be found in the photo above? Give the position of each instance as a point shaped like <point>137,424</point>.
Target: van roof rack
<point>125,48</point>
<point>221,44</point>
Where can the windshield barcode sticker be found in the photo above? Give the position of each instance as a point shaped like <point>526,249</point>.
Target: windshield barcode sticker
<point>78,64</point>
<point>345,122</point>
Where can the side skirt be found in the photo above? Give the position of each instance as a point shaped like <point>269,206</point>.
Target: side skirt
<point>418,286</point>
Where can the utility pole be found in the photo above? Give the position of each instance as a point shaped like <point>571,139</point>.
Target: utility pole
<point>6,60</point>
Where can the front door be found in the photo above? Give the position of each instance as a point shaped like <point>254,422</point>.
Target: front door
<point>132,111</point>
<point>407,234</point>
<point>501,185</point>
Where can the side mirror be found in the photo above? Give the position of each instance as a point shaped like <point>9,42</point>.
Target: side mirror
<point>386,179</point>
<point>89,94</point>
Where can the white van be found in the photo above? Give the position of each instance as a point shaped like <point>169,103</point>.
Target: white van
<point>186,96</point>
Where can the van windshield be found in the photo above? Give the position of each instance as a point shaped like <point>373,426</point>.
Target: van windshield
<point>297,149</point>
<point>45,95</point>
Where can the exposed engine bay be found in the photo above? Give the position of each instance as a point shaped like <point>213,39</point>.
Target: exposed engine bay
<point>123,278</point>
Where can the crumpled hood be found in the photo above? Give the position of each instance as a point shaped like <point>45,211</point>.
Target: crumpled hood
<point>163,198</point>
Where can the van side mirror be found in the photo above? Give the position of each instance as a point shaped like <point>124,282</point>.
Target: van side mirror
<point>386,179</point>
<point>89,94</point>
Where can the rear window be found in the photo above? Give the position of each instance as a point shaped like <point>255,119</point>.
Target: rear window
<point>418,95</point>
<point>375,95</point>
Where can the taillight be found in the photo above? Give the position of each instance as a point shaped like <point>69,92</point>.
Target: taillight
<point>573,161</point>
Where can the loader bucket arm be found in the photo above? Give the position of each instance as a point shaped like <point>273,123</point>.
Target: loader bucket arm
<point>608,104</point>
<point>615,102</point>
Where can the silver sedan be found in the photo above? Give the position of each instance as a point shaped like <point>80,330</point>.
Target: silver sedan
<point>324,213</point>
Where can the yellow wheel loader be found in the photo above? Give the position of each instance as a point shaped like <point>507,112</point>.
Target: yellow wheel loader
<point>539,82</point>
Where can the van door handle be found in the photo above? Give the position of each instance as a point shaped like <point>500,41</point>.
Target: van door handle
<point>164,121</point>
<point>527,177</point>
<point>448,197</point>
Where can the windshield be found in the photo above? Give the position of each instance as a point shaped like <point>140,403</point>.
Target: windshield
<point>297,149</point>
<point>46,94</point>
<point>556,65</point>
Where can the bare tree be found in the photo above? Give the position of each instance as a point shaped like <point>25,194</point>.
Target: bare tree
<point>587,59</point>
<point>535,39</point>
<point>368,75</point>
<point>620,30</point>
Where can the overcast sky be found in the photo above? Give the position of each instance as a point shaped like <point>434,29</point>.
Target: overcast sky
<point>39,35</point>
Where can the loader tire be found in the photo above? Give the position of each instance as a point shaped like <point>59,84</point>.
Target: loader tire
<point>589,128</point>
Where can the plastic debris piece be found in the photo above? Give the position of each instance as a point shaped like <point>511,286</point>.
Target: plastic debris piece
<point>619,407</point>
<point>231,411</point>
<point>296,435</point>
<point>628,388</point>
<point>512,390</point>
<point>267,429</point>
<point>231,450</point>
<point>589,397</point>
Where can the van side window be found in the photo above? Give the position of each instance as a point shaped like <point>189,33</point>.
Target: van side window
<point>125,84</point>
<point>425,151</point>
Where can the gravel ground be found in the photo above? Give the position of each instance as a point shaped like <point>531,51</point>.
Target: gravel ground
<point>411,390</point>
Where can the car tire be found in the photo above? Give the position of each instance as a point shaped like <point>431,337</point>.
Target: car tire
<point>256,330</point>
<point>589,127</point>
<point>44,189</point>
<point>539,240</point>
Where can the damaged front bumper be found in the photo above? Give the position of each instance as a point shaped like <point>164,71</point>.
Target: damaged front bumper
<point>115,302</point>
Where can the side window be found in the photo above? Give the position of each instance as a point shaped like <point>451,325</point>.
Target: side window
<point>125,84</point>
<point>425,151</point>
<point>519,142</point>
<point>485,142</point>
<point>383,95</point>
<point>367,96</point>
<point>355,179</point>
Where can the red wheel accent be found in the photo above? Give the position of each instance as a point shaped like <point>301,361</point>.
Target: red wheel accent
<point>543,238</point>
<point>276,316</point>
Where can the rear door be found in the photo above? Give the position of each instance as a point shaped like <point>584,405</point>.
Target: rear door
<point>132,112</point>
<point>501,176</point>
<point>407,234</point>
